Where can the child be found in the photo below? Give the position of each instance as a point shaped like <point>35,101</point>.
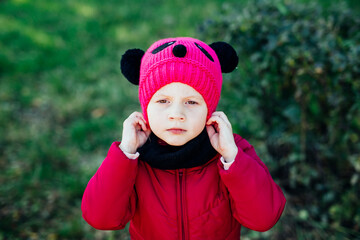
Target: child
<point>179,171</point>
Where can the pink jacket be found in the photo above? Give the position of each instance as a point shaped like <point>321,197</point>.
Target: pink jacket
<point>205,202</point>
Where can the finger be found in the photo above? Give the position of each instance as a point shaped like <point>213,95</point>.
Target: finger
<point>211,120</point>
<point>134,114</point>
<point>131,119</point>
<point>223,116</point>
<point>220,125</point>
<point>148,132</point>
<point>210,130</point>
<point>214,124</point>
<point>137,123</point>
<point>142,124</point>
<point>138,115</point>
<point>216,119</point>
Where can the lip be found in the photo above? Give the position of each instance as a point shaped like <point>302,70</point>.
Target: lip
<point>176,130</point>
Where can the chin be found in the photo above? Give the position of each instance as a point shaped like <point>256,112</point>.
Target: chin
<point>175,141</point>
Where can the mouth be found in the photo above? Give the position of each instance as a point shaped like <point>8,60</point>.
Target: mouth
<point>176,130</point>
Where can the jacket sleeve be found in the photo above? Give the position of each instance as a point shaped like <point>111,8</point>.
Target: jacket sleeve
<point>257,202</point>
<point>109,199</point>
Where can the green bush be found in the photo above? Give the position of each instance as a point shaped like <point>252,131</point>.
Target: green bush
<point>300,70</point>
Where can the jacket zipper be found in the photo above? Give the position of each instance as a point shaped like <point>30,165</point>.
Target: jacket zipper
<point>181,204</point>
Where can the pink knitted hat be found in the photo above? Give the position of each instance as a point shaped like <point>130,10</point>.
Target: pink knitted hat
<point>185,60</point>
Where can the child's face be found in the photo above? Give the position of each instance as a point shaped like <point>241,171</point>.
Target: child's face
<point>177,113</point>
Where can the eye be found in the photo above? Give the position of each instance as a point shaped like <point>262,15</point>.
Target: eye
<point>162,101</point>
<point>205,52</point>
<point>162,47</point>
<point>191,102</point>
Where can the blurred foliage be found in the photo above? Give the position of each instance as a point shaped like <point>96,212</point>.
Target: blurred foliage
<point>300,70</point>
<point>63,101</point>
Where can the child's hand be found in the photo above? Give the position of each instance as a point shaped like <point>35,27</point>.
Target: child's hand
<point>135,133</point>
<point>221,135</point>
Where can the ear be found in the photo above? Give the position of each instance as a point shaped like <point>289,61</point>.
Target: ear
<point>130,65</point>
<point>227,56</point>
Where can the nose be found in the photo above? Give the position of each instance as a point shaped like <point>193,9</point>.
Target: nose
<point>176,113</point>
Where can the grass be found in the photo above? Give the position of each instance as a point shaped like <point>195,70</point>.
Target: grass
<point>63,101</point>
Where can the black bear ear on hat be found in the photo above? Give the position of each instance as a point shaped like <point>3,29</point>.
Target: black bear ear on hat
<point>130,65</point>
<point>227,56</point>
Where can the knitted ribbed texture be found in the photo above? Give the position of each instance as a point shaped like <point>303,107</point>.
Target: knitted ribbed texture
<point>194,69</point>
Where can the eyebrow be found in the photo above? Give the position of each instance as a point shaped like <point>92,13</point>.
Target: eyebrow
<point>192,96</point>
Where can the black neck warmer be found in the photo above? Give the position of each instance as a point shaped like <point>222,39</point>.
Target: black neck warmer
<point>196,152</point>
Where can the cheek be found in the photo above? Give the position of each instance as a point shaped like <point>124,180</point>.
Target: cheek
<point>152,112</point>
<point>155,117</point>
<point>203,113</point>
<point>152,120</point>
<point>150,116</point>
<point>199,117</point>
